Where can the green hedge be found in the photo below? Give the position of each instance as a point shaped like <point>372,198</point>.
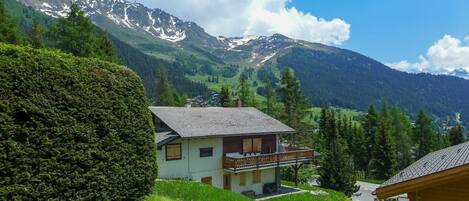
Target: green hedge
<point>72,129</point>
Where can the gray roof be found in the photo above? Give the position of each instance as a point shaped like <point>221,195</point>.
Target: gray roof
<point>218,121</point>
<point>434,162</point>
<point>165,137</point>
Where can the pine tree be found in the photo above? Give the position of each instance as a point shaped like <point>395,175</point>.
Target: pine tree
<point>225,97</point>
<point>244,93</point>
<point>74,34</point>
<point>9,30</point>
<point>36,34</point>
<point>456,135</point>
<point>370,124</point>
<point>423,135</point>
<point>383,164</point>
<point>270,98</point>
<point>165,91</point>
<point>336,171</point>
<point>295,103</point>
<point>105,48</point>
<point>359,149</point>
<point>401,131</point>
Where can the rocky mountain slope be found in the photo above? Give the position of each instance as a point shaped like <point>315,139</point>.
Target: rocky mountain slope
<point>329,75</point>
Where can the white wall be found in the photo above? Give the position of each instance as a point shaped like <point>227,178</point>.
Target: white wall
<point>191,165</point>
<point>267,176</point>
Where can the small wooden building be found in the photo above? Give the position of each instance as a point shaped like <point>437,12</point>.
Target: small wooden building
<point>439,176</point>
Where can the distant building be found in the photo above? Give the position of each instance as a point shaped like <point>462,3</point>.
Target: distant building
<point>236,149</point>
<point>439,176</point>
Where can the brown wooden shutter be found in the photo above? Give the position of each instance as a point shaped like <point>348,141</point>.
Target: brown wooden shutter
<point>257,145</point>
<point>247,145</point>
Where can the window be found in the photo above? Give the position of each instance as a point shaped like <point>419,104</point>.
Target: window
<point>206,152</point>
<point>173,152</point>
<point>207,180</point>
<point>242,178</point>
<point>257,145</point>
<point>256,176</point>
<point>247,145</point>
<point>252,145</point>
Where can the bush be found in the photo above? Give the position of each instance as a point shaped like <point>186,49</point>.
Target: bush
<point>72,129</point>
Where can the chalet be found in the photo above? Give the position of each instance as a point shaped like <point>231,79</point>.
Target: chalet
<point>441,175</point>
<point>236,149</point>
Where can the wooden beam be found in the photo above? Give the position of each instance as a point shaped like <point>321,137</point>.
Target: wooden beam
<point>428,181</point>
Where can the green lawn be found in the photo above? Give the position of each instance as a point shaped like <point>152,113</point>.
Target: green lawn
<point>179,190</point>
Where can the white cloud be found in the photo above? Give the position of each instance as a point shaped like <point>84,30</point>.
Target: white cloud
<point>445,56</point>
<point>466,37</point>
<point>256,17</point>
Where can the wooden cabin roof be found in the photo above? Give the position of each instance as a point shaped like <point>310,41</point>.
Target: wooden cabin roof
<point>190,122</point>
<point>441,163</point>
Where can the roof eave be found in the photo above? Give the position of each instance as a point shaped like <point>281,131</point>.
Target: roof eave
<point>240,134</point>
<point>423,182</point>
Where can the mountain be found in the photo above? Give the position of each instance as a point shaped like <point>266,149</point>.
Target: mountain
<point>328,75</point>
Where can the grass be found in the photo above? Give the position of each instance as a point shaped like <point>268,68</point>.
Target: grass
<point>373,181</point>
<point>332,195</point>
<point>180,190</point>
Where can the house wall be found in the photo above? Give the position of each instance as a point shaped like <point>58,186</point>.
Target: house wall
<point>454,191</point>
<point>267,176</point>
<point>192,166</point>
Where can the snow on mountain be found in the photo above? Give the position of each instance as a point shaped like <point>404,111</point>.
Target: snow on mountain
<point>162,25</point>
<point>134,16</point>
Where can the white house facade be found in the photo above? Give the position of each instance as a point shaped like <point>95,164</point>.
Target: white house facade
<point>235,149</point>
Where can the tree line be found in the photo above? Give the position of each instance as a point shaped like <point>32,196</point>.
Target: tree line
<point>73,34</point>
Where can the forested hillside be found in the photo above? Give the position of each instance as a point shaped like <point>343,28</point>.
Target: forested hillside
<point>329,75</point>
<point>345,78</point>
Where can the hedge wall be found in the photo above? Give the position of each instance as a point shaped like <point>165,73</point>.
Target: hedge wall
<point>72,129</point>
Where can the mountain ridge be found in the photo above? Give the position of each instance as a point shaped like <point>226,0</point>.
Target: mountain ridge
<point>329,75</point>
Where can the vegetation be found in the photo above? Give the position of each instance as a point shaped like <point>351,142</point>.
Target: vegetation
<point>76,34</point>
<point>457,135</point>
<point>336,171</point>
<point>72,128</point>
<point>180,190</point>
<point>167,94</point>
<point>9,30</point>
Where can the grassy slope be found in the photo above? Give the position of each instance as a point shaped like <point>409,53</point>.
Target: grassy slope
<point>178,190</point>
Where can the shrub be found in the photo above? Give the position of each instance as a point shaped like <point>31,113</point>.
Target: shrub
<point>72,129</point>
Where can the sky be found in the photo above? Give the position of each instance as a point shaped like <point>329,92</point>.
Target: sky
<point>409,35</point>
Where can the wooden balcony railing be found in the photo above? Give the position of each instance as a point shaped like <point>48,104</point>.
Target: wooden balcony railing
<point>264,160</point>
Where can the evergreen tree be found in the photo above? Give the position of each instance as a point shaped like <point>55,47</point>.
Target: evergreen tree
<point>9,30</point>
<point>456,135</point>
<point>336,171</point>
<point>295,103</point>
<point>74,34</point>
<point>244,93</point>
<point>225,97</point>
<point>359,149</point>
<point>270,98</point>
<point>167,95</point>
<point>402,131</point>
<point>383,164</point>
<point>36,34</point>
<point>370,125</point>
<point>105,48</point>
<point>424,136</point>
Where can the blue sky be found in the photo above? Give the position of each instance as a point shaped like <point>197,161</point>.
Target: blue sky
<point>409,35</point>
<point>393,30</point>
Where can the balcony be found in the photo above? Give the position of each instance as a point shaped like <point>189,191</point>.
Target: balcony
<point>289,157</point>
